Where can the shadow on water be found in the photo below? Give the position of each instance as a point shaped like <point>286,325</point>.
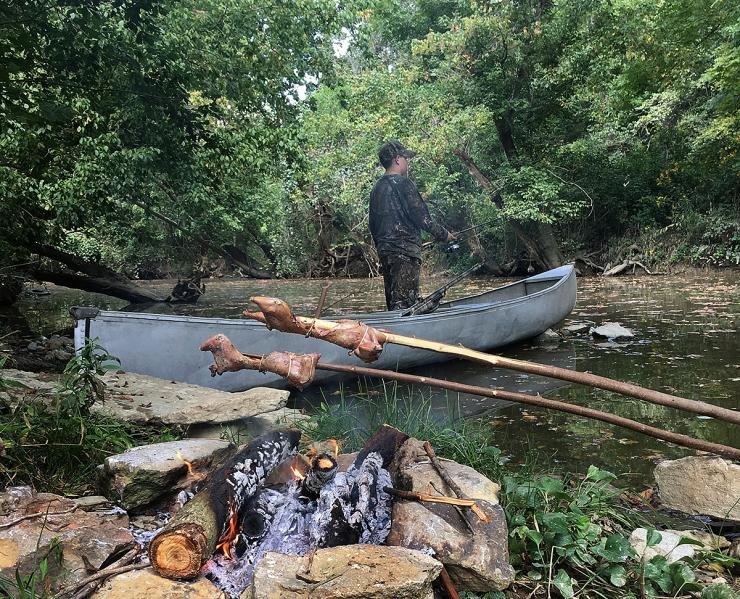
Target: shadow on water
<point>686,343</point>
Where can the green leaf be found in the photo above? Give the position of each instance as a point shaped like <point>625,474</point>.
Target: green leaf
<point>596,474</point>
<point>564,583</point>
<point>556,522</point>
<point>617,575</point>
<point>656,570</point>
<point>653,537</point>
<point>681,574</point>
<point>550,485</point>
<point>615,548</point>
<point>718,591</point>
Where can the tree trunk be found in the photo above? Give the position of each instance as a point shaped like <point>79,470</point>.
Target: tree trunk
<point>244,263</point>
<point>85,275</point>
<point>540,242</point>
<point>125,290</point>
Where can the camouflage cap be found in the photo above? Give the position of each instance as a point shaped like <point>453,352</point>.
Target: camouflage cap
<point>392,149</point>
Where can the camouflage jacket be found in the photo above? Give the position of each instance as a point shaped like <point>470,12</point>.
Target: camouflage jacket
<point>397,217</point>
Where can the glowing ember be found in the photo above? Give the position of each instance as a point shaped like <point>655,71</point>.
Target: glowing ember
<point>182,459</point>
<point>224,543</point>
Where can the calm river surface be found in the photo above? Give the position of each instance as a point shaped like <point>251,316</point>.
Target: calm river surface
<point>686,342</point>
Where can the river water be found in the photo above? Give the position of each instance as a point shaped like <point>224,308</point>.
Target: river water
<point>686,343</point>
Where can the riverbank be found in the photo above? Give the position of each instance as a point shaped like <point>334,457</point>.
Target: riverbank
<point>570,533</point>
<point>685,343</point>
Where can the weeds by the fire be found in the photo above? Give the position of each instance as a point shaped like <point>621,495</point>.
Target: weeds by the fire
<point>568,533</point>
<point>56,446</point>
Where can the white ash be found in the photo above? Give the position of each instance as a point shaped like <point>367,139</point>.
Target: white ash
<point>292,525</point>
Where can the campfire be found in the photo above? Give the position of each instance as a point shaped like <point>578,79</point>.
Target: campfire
<point>269,498</point>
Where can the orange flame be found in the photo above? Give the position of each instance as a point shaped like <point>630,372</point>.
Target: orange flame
<point>182,459</point>
<point>224,543</point>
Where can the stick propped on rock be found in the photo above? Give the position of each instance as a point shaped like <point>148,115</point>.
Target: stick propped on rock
<point>671,437</point>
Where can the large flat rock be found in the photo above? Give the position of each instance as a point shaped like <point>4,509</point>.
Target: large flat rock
<point>83,539</point>
<point>145,399</point>
<point>705,485</point>
<point>145,583</point>
<point>346,572</point>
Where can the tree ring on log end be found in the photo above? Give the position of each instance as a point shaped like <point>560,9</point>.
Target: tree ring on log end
<point>180,554</point>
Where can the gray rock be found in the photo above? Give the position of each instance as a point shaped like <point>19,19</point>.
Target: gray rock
<point>704,485</point>
<point>547,338</point>
<point>146,583</point>
<point>84,539</point>
<point>576,328</point>
<point>612,330</point>
<point>92,502</point>
<point>60,355</point>
<point>57,342</point>
<point>143,475</point>
<point>34,386</point>
<point>477,561</point>
<point>248,428</point>
<point>347,572</point>
<point>33,346</point>
<point>669,544</point>
<point>145,399</point>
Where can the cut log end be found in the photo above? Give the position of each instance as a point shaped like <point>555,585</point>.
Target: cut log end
<point>180,554</point>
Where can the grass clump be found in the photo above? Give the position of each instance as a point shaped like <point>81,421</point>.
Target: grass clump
<point>56,445</point>
<point>568,533</point>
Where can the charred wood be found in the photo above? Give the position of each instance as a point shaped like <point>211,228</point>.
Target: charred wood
<point>322,471</point>
<point>181,548</point>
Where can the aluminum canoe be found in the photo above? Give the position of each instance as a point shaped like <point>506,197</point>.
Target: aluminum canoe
<point>166,346</point>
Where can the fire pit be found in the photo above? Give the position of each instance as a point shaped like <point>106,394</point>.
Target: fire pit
<point>240,512</point>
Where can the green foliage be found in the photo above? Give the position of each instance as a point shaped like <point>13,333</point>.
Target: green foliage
<point>81,384</point>
<point>187,108</point>
<point>56,446</point>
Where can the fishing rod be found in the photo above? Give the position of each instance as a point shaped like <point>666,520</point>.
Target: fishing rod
<point>463,232</point>
<point>430,302</point>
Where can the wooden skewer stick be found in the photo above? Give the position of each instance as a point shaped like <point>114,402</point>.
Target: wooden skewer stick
<point>447,584</point>
<point>426,497</point>
<point>284,320</point>
<point>229,359</point>
<point>454,487</point>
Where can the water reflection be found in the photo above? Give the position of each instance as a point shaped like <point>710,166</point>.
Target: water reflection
<point>686,343</point>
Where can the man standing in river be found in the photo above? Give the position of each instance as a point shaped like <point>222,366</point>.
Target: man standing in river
<point>397,217</point>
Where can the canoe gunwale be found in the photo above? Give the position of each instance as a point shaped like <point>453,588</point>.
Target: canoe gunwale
<point>385,317</point>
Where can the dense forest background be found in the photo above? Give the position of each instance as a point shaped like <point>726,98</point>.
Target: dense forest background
<point>151,138</point>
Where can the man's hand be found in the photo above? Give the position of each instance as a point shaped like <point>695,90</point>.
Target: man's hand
<point>451,237</point>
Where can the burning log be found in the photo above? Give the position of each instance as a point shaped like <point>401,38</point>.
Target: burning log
<point>322,471</point>
<point>210,519</point>
<point>386,441</point>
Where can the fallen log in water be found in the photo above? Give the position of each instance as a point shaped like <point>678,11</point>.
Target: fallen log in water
<point>367,343</point>
<point>181,548</point>
<point>227,356</point>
